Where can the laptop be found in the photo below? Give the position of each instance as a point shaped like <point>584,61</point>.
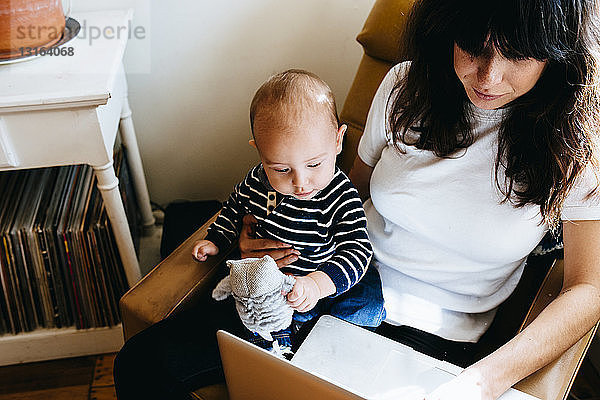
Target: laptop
<point>337,360</point>
<point>254,373</point>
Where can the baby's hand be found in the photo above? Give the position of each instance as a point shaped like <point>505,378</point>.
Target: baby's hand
<point>204,248</point>
<point>304,295</point>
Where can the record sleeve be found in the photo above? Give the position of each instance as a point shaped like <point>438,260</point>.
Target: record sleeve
<point>61,284</point>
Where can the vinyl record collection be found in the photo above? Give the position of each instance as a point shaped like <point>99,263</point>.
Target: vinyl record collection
<point>59,263</point>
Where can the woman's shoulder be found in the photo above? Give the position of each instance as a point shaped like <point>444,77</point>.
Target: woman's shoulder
<point>401,69</point>
<point>393,76</point>
<point>583,201</point>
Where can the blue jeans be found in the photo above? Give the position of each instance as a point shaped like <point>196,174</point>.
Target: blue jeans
<point>361,305</point>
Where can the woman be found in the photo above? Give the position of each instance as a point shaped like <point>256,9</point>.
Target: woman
<point>487,139</point>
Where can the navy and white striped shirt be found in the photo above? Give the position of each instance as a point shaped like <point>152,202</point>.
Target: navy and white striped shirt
<point>329,230</point>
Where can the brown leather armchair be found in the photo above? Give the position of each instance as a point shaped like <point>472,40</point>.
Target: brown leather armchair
<point>179,282</point>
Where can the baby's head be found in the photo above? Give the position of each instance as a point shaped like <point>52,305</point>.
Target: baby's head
<point>295,129</point>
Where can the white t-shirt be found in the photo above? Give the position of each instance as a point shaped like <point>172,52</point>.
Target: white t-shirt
<point>448,250</point>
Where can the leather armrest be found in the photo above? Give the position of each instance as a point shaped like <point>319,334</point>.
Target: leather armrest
<point>554,381</point>
<point>173,285</point>
<point>371,72</point>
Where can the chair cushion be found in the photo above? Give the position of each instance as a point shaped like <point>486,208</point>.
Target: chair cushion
<point>380,36</point>
<point>368,77</point>
<point>371,72</point>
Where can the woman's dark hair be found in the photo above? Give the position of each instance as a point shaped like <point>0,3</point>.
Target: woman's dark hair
<point>549,135</point>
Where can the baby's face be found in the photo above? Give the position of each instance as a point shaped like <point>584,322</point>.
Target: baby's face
<point>299,157</point>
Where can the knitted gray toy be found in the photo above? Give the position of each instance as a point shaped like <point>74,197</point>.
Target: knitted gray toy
<point>257,285</point>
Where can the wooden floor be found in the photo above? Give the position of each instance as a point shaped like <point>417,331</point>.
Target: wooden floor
<point>82,378</point>
<point>90,378</point>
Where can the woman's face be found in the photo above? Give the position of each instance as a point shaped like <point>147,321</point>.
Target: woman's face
<point>492,81</point>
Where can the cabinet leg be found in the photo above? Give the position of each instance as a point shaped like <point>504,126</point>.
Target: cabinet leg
<point>109,188</point>
<point>135,165</point>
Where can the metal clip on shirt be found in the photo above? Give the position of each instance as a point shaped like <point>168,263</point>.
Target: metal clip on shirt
<point>271,201</point>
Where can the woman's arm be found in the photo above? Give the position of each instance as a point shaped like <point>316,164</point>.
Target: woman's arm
<point>558,327</point>
<point>360,175</point>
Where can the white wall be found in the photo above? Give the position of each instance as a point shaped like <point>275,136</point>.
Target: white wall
<point>193,76</point>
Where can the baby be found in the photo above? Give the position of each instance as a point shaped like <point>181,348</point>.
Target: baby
<point>299,197</point>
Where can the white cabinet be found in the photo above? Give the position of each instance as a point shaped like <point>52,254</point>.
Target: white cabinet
<point>64,110</point>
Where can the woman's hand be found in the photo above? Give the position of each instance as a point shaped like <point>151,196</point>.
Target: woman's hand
<point>469,385</point>
<point>250,246</point>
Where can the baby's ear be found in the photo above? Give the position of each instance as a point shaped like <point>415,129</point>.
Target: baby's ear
<point>339,138</point>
